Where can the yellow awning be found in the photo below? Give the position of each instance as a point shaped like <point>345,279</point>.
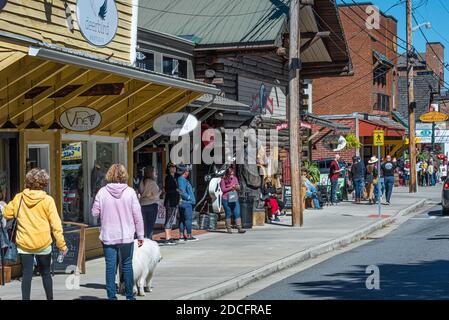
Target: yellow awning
<point>48,80</point>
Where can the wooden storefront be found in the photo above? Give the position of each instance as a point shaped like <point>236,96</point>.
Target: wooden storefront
<point>49,70</point>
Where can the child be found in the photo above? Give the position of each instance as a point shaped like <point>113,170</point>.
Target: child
<point>274,205</point>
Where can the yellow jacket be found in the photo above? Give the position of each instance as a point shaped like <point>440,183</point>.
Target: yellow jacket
<point>37,214</point>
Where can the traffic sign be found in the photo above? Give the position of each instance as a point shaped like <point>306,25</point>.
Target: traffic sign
<point>378,138</point>
<point>434,117</point>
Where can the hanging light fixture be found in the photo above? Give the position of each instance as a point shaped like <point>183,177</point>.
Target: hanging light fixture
<point>55,126</point>
<point>8,125</point>
<point>32,125</point>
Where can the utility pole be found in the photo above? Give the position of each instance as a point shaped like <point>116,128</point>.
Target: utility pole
<point>294,114</point>
<point>411,99</point>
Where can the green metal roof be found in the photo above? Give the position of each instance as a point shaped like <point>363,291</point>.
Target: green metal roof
<point>213,22</point>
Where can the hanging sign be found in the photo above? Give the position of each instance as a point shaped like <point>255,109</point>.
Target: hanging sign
<point>434,117</point>
<point>97,20</point>
<point>2,4</point>
<point>80,119</point>
<point>378,138</point>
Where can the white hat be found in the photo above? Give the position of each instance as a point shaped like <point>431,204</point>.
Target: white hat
<point>373,160</point>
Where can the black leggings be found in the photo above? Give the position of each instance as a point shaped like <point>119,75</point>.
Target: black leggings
<point>43,263</point>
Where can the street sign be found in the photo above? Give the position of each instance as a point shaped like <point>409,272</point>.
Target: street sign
<point>378,138</point>
<point>434,117</point>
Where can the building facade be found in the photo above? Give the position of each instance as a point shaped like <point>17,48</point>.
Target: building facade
<point>373,88</point>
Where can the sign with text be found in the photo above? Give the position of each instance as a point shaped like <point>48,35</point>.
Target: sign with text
<point>80,119</point>
<point>434,117</point>
<point>97,20</point>
<point>378,138</point>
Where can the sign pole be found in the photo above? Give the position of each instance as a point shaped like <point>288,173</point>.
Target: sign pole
<point>379,204</point>
<point>433,136</point>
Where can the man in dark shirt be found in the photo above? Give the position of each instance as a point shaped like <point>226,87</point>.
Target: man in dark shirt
<point>333,177</point>
<point>388,169</point>
<point>358,174</point>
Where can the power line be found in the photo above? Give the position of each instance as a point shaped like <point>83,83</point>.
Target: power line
<point>413,48</point>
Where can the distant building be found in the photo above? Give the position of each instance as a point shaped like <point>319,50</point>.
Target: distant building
<point>366,101</point>
<point>429,79</point>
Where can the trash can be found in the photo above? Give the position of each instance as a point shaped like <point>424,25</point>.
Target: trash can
<point>246,211</point>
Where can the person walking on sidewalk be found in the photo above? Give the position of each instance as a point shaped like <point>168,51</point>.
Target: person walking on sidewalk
<point>388,168</point>
<point>171,202</point>
<point>186,204</point>
<point>230,187</point>
<point>334,174</point>
<point>358,177</point>
<point>121,218</point>
<point>371,178</point>
<point>149,200</point>
<point>37,219</point>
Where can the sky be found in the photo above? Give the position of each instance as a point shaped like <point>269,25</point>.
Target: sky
<point>434,11</point>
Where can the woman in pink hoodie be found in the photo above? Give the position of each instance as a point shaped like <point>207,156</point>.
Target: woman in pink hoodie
<point>121,218</point>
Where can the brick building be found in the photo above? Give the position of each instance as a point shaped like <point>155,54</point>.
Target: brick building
<point>428,78</point>
<point>365,101</point>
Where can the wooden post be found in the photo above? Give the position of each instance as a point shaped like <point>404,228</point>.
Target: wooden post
<point>130,156</point>
<point>294,115</point>
<point>411,99</point>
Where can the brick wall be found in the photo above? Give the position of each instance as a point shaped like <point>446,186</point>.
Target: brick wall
<point>433,61</point>
<point>346,95</point>
<point>321,152</point>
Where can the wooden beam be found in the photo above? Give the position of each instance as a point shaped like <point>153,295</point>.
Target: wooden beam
<point>70,97</point>
<point>315,38</point>
<point>43,78</point>
<point>116,102</point>
<point>12,58</point>
<point>20,72</point>
<point>130,110</point>
<point>137,118</point>
<point>175,107</point>
<point>316,134</point>
<point>34,103</point>
<point>130,159</point>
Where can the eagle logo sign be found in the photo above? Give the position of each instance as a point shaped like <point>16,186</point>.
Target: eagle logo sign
<point>100,9</point>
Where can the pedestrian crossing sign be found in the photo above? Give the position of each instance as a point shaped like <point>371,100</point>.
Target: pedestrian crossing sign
<point>378,138</point>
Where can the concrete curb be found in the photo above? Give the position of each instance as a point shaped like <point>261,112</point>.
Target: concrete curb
<point>232,285</point>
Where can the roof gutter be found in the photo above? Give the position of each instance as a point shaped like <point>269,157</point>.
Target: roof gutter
<point>123,70</point>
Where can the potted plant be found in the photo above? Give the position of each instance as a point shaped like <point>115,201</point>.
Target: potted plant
<point>352,142</point>
<point>312,171</point>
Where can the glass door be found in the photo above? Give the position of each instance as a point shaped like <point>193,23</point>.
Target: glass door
<point>38,156</point>
<point>74,159</point>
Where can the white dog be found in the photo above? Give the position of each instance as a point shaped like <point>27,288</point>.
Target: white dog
<point>145,260</point>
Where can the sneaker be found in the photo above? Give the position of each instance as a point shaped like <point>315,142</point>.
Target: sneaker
<point>276,220</point>
<point>191,239</point>
<point>170,242</point>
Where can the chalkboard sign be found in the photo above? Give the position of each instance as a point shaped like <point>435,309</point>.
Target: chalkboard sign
<point>288,197</point>
<point>74,261</point>
<point>72,240</point>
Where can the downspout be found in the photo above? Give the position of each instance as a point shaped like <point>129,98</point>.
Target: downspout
<point>357,133</point>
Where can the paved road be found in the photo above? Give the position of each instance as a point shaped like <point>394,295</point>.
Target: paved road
<point>413,263</point>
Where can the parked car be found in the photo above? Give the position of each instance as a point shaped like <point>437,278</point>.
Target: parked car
<point>445,197</point>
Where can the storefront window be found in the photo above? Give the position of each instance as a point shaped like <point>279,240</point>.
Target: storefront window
<point>73,180</point>
<point>39,157</point>
<point>4,177</point>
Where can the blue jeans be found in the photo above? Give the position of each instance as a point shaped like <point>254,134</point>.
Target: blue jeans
<point>389,184</point>
<point>313,196</point>
<point>185,218</point>
<point>334,187</point>
<point>358,185</point>
<point>111,254</point>
<point>149,214</point>
<point>231,207</point>
<point>433,179</point>
<point>382,188</point>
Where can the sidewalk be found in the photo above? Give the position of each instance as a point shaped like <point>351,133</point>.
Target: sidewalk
<point>219,263</point>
